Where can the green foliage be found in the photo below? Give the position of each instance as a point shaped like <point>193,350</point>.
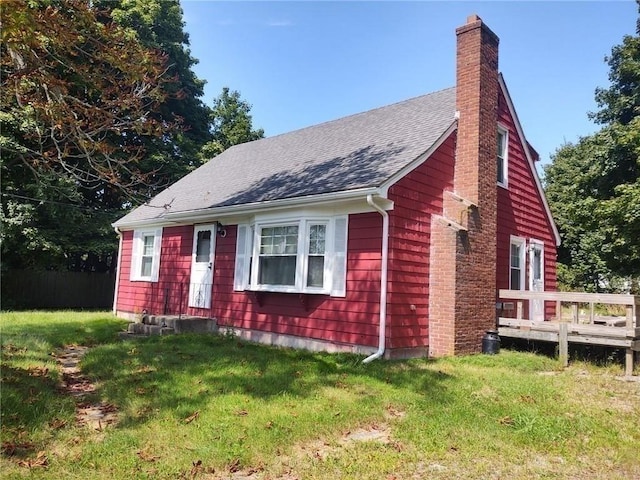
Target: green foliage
<point>158,25</point>
<point>77,98</point>
<point>100,109</point>
<point>231,123</point>
<point>593,186</point>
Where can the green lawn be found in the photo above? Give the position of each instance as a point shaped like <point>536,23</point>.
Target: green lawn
<point>212,407</point>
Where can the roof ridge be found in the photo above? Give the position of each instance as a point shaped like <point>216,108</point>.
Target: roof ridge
<point>351,115</point>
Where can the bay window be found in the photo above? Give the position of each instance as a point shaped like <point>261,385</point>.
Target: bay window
<point>304,255</point>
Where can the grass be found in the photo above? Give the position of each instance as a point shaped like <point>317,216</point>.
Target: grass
<point>214,407</point>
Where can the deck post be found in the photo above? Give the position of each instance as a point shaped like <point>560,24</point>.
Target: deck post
<point>558,310</point>
<point>574,313</point>
<point>563,343</point>
<point>628,362</point>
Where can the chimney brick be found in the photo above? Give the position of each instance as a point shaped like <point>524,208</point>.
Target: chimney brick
<point>462,300</point>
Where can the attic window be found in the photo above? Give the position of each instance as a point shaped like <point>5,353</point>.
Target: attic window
<point>304,255</point>
<point>502,154</point>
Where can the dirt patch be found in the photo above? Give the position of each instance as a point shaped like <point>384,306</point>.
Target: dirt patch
<point>96,415</point>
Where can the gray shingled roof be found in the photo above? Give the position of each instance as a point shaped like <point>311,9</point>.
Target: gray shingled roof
<point>359,151</point>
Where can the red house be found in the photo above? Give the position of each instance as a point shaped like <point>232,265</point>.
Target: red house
<point>387,232</point>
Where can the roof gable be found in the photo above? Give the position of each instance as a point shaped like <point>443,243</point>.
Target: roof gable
<point>352,153</point>
<point>531,156</point>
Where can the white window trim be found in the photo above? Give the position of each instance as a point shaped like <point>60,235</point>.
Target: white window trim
<point>522,243</point>
<point>540,243</point>
<point>247,261</point>
<point>136,255</point>
<point>505,160</point>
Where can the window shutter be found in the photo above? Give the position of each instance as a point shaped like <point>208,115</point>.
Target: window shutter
<point>339,281</point>
<point>241,273</point>
<point>134,273</point>
<point>157,247</point>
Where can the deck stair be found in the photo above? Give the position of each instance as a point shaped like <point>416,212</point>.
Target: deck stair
<point>149,325</point>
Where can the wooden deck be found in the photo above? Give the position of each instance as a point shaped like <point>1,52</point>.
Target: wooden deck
<point>582,325</point>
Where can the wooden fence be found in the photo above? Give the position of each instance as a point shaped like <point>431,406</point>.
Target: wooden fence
<point>586,326</point>
<point>56,290</point>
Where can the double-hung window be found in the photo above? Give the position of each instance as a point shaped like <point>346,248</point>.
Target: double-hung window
<point>278,255</point>
<point>304,255</point>
<point>145,257</point>
<point>516,263</point>
<point>502,154</point>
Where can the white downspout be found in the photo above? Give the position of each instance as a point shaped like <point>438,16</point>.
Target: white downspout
<point>115,293</point>
<point>383,281</point>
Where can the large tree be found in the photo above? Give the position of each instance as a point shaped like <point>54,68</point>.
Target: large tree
<point>158,25</point>
<point>593,186</point>
<point>76,95</point>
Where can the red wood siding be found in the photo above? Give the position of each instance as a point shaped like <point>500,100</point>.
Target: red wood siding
<point>521,210</point>
<point>416,198</point>
<point>352,320</point>
<point>169,295</point>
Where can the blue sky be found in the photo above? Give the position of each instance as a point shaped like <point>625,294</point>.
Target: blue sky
<point>303,63</point>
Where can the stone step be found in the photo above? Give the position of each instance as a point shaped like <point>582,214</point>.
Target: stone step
<point>144,329</point>
<point>181,324</point>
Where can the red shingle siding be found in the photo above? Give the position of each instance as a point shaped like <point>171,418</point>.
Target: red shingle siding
<point>521,210</point>
<point>351,320</point>
<point>170,292</point>
<point>416,197</point>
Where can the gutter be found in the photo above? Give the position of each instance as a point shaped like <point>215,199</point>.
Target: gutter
<point>383,281</point>
<point>115,293</point>
<point>202,214</point>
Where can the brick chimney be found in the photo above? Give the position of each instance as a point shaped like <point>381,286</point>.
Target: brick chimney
<point>463,240</point>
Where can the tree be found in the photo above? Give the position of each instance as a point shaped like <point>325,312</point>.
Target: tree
<point>593,186</point>
<point>232,123</point>
<point>158,25</point>
<point>76,95</point>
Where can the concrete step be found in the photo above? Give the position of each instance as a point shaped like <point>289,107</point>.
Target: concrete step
<point>144,329</point>
<point>168,324</point>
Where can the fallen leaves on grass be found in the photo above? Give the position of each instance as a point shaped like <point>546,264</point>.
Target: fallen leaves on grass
<point>57,423</point>
<point>192,417</point>
<point>235,466</point>
<point>41,461</point>
<point>147,456</point>
<point>242,413</point>
<point>10,448</point>
<point>508,421</point>
<point>38,371</point>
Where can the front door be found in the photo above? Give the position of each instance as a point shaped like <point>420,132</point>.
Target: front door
<point>536,278</point>
<point>200,286</point>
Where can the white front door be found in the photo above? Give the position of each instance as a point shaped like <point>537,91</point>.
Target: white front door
<point>536,278</point>
<point>200,286</point>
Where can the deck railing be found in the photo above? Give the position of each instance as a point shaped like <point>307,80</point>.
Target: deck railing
<point>582,325</point>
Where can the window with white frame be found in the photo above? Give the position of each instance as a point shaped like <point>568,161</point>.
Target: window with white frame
<point>306,255</point>
<point>145,257</point>
<point>517,263</point>
<point>502,154</point>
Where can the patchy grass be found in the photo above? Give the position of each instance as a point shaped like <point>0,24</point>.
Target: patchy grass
<point>213,407</point>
